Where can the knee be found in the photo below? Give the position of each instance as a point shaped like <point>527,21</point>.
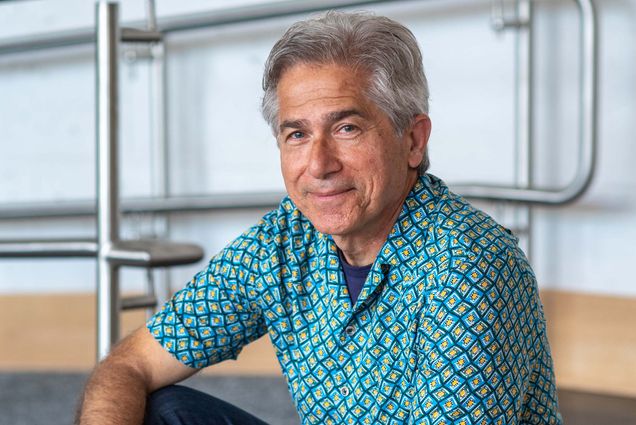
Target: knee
<point>178,405</point>
<point>162,405</point>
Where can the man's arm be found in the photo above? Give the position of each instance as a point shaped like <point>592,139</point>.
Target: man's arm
<point>116,391</point>
<point>206,322</point>
<point>484,357</point>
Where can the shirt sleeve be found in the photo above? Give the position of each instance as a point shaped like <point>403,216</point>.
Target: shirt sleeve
<point>216,314</point>
<point>483,355</point>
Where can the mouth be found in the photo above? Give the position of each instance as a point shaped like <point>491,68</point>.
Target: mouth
<point>328,195</point>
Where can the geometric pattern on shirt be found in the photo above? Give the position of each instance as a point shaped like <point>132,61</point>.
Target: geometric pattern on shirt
<point>448,328</point>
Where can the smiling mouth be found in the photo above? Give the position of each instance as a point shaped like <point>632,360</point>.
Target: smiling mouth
<point>332,194</point>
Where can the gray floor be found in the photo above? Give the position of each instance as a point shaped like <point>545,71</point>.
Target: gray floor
<point>49,398</point>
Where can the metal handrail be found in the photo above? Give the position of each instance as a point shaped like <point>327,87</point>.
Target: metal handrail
<point>588,118</point>
<point>186,22</point>
<point>588,128</point>
<point>147,253</point>
<point>52,248</point>
<point>171,204</point>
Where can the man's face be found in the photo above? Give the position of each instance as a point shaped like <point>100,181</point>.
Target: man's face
<point>342,163</point>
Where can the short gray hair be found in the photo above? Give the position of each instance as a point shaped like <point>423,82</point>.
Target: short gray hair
<point>384,48</point>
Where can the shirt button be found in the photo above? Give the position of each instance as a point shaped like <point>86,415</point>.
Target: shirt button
<point>350,330</point>
<point>344,391</point>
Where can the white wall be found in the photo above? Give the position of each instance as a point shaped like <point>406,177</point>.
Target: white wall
<point>220,144</point>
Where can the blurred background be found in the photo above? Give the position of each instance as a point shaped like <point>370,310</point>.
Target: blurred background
<point>508,106</point>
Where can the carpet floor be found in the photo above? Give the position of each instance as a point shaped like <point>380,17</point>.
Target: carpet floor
<point>51,398</point>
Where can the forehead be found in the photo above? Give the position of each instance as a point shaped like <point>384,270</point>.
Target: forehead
<point>312,85</point>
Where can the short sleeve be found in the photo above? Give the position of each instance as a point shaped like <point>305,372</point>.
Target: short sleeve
<point>216,314</point>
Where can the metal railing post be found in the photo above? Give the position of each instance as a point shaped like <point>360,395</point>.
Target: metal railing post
<point>107,176</point>
<point>158,282</point>
<point>525,117</point>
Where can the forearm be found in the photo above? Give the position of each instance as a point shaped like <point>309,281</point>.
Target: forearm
<point>115,394</point>
<point>116,391</point>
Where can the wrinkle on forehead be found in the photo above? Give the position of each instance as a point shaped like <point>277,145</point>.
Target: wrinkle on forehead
<point>312,96</point>
<point>297,82</point>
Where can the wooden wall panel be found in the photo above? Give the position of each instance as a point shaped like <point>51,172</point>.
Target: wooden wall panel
<point>593,341</point>
<point>57,332</point>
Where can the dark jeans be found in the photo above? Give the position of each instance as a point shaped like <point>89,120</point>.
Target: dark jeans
<point>178,405</point>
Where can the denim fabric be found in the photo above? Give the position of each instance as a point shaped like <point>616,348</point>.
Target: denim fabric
<point>179,405</point>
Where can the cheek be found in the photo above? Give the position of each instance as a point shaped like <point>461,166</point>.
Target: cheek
<point>291,169</point>
<point>387,165</point>
<point>372,163</point>
<point>286,163</point>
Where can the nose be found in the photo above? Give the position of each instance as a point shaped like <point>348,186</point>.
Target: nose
<point>323,158</point>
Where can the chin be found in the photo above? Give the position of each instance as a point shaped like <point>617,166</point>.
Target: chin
<point>333,229</point>
<point>336,222</point>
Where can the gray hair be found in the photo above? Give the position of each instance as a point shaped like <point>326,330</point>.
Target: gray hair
<point>385,49</point>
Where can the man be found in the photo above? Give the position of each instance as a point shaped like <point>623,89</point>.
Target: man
<point>388,298</point>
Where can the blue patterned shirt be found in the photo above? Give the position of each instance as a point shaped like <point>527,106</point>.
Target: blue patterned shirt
<point>448,328</point>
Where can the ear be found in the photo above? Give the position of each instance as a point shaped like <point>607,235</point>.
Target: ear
<point>418,139</point>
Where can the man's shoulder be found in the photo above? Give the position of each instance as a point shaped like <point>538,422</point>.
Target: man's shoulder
<point>461,238</point>
<point>451,215</point>
<point>474,255</point>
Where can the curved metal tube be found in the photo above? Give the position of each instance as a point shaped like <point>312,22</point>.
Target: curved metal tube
<point>224,16</point>
<point>588,128</point>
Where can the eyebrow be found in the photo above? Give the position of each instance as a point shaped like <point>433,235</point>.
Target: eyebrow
<point>292,124</point>
<point>339,115</point>
<point>330,118</point>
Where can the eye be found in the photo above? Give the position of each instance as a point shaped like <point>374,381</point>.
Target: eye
<point>348,131</point>
<point>294,137</point>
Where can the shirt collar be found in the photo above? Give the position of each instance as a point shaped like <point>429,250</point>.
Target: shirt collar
<point>400,253</point>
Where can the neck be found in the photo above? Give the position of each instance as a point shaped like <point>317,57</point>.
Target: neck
<point>361,250</point>
<point>356,255</point>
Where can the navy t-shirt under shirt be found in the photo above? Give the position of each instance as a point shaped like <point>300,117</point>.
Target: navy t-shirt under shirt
<point>354,276</point>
